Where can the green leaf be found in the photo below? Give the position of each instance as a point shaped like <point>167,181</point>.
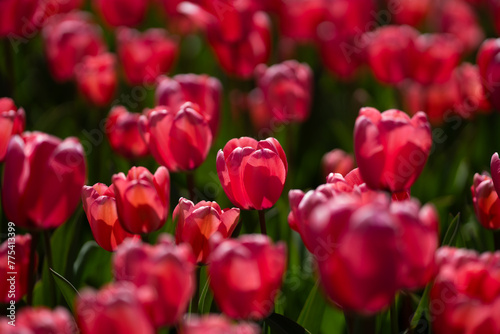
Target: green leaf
<point>452,231</point>
<point>206,295</point>
<point>422,307</point>
<point>313,310</point>
<point>93,266</point>
<point>67,289</point>
<point>280,324</point>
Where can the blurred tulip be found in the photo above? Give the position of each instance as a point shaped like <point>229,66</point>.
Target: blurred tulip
<point>122,129</point>
<point>18,248</point>
<point>410,12</point>
<point>494,6</point>
<point>495,171</point>
<point>488,60</point>
<point>337,161</point>
<point>179,139</point>
<point>246,275</point>
<point>473,97</point>
<point>309,13</point>
<point>43,179</point>
<point>164,273</point>
<point>48,8</point>
<point>12,122</point>
<point>99,204</point>
<point>391,149</point>
<point>216,324</point>
<point>40,320</point>
<point>252,173</point>
<point>97,79</point>
<point>145,56</point>
<point>114,309</point>
<point>17,17</point>
<point>285,91</point>
<point>68,39</point>
<point>467,290</point>
<point>486,202</point>
<point>142,199</point>
<point>203,90</point>
<point>196,224</point>
<point>122,12</point>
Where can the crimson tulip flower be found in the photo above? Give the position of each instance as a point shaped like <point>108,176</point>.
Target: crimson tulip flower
<point>252,173</point>
<point>145,56</point>
<point>486,201</point>
<point>68,39</point>
<point>203,90</point>
<point>99,204</point>
<point>12,122</point>
<point>309,13</point>
<point>196,224</point>
<point>122,129</point>
<point>216,324</point>
<point>17,17</point>
<point>97,79</point>
<point>122,13</point>
<point>142,199</point>
<point>246,275</point>
<point>165,273</point>
<point>391,149</point>
<point>467,290</point>
<point>17,288</point>
<point>337,161</point>
<point>43,178</point>
<point>179,139</point>
<point>488,60</point>
<point>409,12</point>
<point>115,308</point>
<point>40,320</point>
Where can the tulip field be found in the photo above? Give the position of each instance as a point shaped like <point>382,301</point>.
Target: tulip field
<point>250,166</point>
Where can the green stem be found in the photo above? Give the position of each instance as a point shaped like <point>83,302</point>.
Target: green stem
<point>262,221</point>
<point>190,185</point>
<point>496,238</point>
<point>196,297</point>
<point>394,319</point>
<point>50,263</point>
<point>32,267</point>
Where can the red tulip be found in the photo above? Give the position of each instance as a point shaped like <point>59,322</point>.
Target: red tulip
<point>165,273</point>
<point>196,224</point>
<point>488,60</point>
<point>216,324</point>
<point>177,138</point>
<point>252,173</point>
<point>17,17</point>
<point>309,13</point>
<point>494,6</point>
<point>96,78</point>
<point>485,200</point>
<point>68,39</point>
<point>142,199</point>
<point>337,161</point>
<point>18,248</point>
<point>246,275</point>
<point>40,320</point>
<point>122,13</point>
<point>122,129</point>
<point>48,8</point>
<point>466,292</point>
<point>43,178</point>
<point>342,54</point>
<point>12,122</point>
<point>145,56</point>
<point>202,90</point>
<point>410,12</point>
<point>473,97</point>
<point>114,309</point>
<point>284,90</point>
<point>99,204</point>
<point>391,149</point>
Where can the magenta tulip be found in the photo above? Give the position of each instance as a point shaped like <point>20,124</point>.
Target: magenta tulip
<point>12,122</point>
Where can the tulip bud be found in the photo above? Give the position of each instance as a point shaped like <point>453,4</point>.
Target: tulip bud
<point>122,13</point>
<point>252,173</point>
<point>14,287</point>
<point>410,12</point>
<point>17,17</point>
<point>488,60</point>
<point>196,224</point>
<point>43,179</point>
<point>337,161</point>
<point>142,199</point>
<point>215,324</point>
<point>485,200</point>
<point>12,122</point>
<point>122,129</point>
<point>68,39</point>
<point>391,149</point>
<point>165,275</point>
<point>145,56</point>
<point>179,139</point>
<point>246,275</point>
<point>96,78</point>
<point>41,320</point>
<point>114,309</point>
<point>309,13</point>
<point>202,90</point>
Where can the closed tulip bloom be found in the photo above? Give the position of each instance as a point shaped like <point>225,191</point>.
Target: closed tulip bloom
<point>43,179</point>
<point>246,275</point>
<point>142,199</point>
<point>17,17</point>
<point>391,149</point>
<point>48,8</point>
<point>495,171</point>
<point>410,12</point>
<point>196,224</point>
<point>12,122</point>
<point>203,90</point>
<point>486,202</point>
<point>337,161</point>
<point>97,79</point>
<point>99,204</point>
<point>216,324</point>
<point>252,173</point>
<point>116,308</point>
<point>42,320</point>
<point>467,290</point>
<point>179,139</point>
<point>21,245</point>
<point>488,60</point>
<point>122,129</point>
<point>145,56</point>
<point>164,273</point>
<point>68,39</point>
<point>122,13</point>
<point>309,13</point>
